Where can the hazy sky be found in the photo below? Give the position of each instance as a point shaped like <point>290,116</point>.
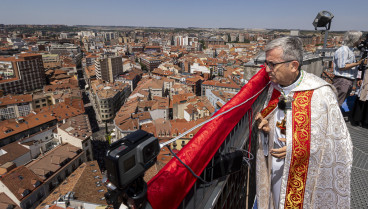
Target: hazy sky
<point>282,14</point>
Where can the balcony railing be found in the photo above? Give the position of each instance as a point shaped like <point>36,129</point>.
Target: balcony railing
<point>175,187</point>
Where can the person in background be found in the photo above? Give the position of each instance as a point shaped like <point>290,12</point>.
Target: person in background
<point>359,114</point>
<point>304,154</point>
<point>345,66</point>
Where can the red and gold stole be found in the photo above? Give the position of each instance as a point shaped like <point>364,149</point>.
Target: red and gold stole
<point>272,104</point>
<point>301,118</point>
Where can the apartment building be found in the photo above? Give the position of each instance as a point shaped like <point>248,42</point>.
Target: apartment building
<point>109,98</point>
<point>51,60</point>
<point>150,62</point>
<point>223,84</point>
<point>77,132</point>
<point>21,73</point>
<point>218,98</point>
<point>108,68</point>
<point>15,106</point>
<point>29,184</point>
<point>20,128</point>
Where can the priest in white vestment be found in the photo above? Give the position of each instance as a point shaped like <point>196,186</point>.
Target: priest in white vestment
<point>304,156</point>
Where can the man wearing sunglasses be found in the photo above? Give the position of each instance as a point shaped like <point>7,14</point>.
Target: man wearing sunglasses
<point>305,152</point>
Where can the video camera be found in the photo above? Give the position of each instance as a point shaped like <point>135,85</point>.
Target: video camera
<point>126,161</point>
<point>363,47</point>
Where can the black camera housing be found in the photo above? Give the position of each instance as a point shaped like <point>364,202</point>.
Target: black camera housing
<point>128,158</point>
<point>363,45</point>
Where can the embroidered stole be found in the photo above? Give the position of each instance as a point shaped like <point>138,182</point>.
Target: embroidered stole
<point>301,125</point>
<point>272,104</point>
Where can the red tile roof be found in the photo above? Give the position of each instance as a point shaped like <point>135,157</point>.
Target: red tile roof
<point>11,126</point>
<point>13,151</point>
<point>15,99</point>
<point>20,179</point>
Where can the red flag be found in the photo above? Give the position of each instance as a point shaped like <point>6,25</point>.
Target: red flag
<point>169,187</point>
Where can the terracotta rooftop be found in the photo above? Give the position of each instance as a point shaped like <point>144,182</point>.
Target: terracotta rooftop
<point>84,183</point>
<point>5,202</point>
<point>15,99</point>
<point>13,126</point>
<point>52,161</point>
<point>224,96</point>
<point>161,72</point>
<point>129,124</point>
<point>61,111</point>
<point>19,57</point>
<point>70,83</point>
<point>107,90</point>
<point>160,103</point>
<point>182,97</point>
<point>78,127</point>
<point>142,116</point>
<point>13,151</point>
<point>227,84</point>
<point>179,126</point>
<point>19,180</point>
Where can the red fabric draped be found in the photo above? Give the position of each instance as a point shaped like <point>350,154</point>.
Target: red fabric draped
<point>169,187</point>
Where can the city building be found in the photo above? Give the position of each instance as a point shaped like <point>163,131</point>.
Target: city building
<point>150,62</point>
<point>51,61</point>
<point>21,73</point>
<point>218,98</point>
<point>132,78</point>
<point>15,106</point>
<point>22,127</point>
<point>224,84</point>
<point>108,68</point>
<point>77,132</point>
<point>109,98</point>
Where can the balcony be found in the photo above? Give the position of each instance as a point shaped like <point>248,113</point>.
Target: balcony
<point>175,187</point>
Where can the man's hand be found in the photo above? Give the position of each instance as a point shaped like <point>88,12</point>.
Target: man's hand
<point>281,152</point>
<point>263,123</point>
<point>359,82</point>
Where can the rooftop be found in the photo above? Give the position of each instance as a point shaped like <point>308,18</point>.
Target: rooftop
<point>12,151</point>
<point>83,183</point>
<point>19,180</point>
<point>78,126</point>
<point>53,160</point>
<point>15,99</point>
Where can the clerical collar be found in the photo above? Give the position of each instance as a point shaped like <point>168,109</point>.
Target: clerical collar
<point>285,102</point>
<point>285,90</point>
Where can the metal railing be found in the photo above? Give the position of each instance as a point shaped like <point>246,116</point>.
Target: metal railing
<point>236,190</point>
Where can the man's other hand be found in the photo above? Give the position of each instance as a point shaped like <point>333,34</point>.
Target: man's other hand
<point>262,123</point>
<point>280,152</point>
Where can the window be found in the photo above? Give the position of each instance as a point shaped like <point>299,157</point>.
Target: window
<point>25,192</point>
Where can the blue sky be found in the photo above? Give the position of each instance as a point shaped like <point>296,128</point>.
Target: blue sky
<point>282,14</point>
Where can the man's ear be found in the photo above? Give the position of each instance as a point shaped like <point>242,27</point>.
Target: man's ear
<point>294,66</point>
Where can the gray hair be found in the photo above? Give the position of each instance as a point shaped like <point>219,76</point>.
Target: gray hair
<point>292,48</point>
<point>351,37</point>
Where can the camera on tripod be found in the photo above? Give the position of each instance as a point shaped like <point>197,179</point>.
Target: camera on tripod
<point>126,161</point>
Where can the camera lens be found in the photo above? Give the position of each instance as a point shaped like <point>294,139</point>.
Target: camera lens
<point>149,152</point>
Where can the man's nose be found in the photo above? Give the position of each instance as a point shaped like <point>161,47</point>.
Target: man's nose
<point>268,69</point>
